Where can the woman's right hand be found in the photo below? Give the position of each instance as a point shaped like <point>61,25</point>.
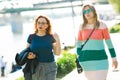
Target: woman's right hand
<point>31,55</point>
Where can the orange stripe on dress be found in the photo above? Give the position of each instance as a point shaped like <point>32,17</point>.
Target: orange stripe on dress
<point>98,34</point>
<point>106,34</point>
<point>79,36</point>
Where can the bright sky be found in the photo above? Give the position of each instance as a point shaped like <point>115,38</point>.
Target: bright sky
<point>17,3</point>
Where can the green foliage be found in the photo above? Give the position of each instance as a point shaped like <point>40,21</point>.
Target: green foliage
<point>115,28</point>
<point>21,78</point>
<point>116,5</point>
<point>65,64</point>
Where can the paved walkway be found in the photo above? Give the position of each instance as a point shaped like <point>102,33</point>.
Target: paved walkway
<point>12,76</point>
<point>71,76</point>
<point>75,76</point>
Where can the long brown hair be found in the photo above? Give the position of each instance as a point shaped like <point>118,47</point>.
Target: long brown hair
<point>97,23</point>
<point>48,30</point>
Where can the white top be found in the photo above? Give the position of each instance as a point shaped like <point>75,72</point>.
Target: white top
<point>2,63</point>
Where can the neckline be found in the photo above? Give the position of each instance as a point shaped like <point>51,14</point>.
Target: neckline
<point>41,35</point>
<point>90,24</point>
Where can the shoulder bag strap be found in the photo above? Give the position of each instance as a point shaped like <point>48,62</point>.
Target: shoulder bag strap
<point>87,39</point>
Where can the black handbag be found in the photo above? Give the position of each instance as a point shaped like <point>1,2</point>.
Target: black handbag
<point>79,67</point>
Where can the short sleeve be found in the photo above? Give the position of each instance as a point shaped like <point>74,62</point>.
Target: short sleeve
<point>29,39</point>
<point>53,40</point>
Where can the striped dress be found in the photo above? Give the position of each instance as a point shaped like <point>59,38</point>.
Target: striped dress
<point>93,57</point>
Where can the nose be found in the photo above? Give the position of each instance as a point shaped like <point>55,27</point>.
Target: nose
<point>87,12</point>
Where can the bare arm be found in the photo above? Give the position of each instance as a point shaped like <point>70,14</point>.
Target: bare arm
<point>28,45</point>
<point>56,45</point>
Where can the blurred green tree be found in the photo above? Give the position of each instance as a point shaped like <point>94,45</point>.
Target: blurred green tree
<point>116,5</point>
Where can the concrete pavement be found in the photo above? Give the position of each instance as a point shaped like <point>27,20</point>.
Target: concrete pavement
<point>12,76</point>
<point>75,76</point>
<point>71,76</point>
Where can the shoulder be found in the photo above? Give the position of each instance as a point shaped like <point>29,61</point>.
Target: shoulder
<point>32,34</point>
<point>30,37</point>
<point>103,25</point>
<point>50,36</point>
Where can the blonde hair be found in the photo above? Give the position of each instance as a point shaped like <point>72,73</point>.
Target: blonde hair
<point>97,23</point>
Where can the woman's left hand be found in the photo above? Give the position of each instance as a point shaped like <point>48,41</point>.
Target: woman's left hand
<point>56,45</point>
<point>56,37</point>
<point>114,64</point>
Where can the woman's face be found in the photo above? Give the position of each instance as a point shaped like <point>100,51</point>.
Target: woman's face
<point>42,24</point>
<point>88,13</point>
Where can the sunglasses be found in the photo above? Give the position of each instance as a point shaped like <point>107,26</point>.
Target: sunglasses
<point>87,11</point>
<point>42,23</point>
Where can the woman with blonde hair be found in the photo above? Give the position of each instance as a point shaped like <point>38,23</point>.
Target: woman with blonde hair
<point>93,57</point>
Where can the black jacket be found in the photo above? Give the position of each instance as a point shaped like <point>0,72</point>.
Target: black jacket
<point>21,58</point>
<point>30,64</point>
<point>29,68</point>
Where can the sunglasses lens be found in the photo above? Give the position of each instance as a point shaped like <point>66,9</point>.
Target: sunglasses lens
<point>84,12</point>
<point>87,11</point>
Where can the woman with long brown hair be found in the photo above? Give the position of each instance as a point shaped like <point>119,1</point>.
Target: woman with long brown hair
<point>93,57</point>
<point>44,45</point>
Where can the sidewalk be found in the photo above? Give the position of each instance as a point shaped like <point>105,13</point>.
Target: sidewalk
<point>13,76</point>
<point>71,76</point>
<point>75,76</point>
